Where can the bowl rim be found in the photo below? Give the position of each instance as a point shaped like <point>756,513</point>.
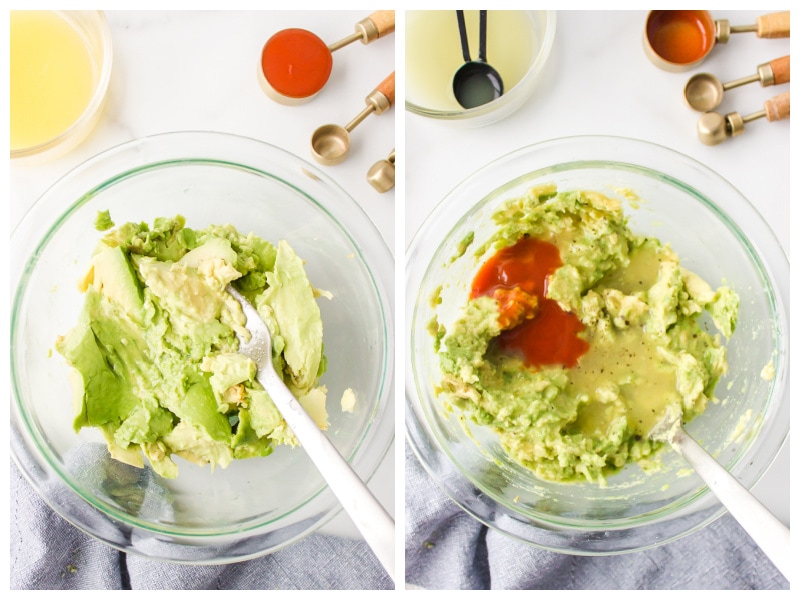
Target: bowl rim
<point>83,123</point>
<point>420,436</point>
<point>511,96</point>
<point>372,251</point>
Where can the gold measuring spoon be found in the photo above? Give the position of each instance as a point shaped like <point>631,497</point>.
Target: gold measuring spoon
<point>677,40</point>
<point>381,174</point>
<point>704,91</point>
<point>331,143</point>
<point>714,128</point>
<point>295,63</point>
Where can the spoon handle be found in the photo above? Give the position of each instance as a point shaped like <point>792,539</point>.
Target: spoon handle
<point>767,531</point>
<point>377,25</point>
<point>386,87</point>
<point>773,25</point>
<point>482,36</point>
<point>462,33</point>
<point>371,519</point>
<point>777,107</point>
<point>780,70</point>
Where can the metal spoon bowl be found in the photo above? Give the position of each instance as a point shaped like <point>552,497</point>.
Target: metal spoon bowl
<point>381,175</point>
<point>703,92</point>
<point>330,144</point>
<point>477,83</point>
<point>712,128</point>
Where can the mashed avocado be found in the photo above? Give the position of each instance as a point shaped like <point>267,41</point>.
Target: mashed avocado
<point>154,354</point>
<point>578,334</point>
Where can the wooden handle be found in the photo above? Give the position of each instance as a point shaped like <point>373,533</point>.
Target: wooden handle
<point>780,69</point>
<point>386,87</point>
<point>777,108</point>
<point>383,20</point>
<point>773,25</point>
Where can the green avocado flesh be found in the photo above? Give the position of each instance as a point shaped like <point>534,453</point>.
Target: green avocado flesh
<point>645,320</point>
<point>154,354</point>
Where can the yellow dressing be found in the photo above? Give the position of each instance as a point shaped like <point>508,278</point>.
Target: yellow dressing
<point>640,274</point>
<point>52,77</point>
<point>629,363</point>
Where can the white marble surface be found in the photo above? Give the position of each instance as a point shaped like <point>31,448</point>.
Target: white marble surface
<point>599,81</point>
<point>196,70</point>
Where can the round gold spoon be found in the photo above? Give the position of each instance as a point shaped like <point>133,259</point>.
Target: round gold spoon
<point>704,92</point>
<point>331,143</point>
<point>714,128</point>
<point>381,174</point>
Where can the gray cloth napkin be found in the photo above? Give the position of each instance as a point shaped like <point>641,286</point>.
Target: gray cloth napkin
<point>48,553</point>
<point>448,549</point>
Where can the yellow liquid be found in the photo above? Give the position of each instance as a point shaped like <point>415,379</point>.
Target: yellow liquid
<point>433,51</point>
<point>52,77</point>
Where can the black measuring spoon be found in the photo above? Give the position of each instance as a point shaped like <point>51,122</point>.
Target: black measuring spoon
<point>476,82</point>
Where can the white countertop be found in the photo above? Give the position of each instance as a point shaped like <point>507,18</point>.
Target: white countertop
<point>598,81</point>
<point>196,70</point>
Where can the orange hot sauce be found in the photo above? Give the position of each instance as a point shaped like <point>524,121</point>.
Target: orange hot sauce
<point>296,63</point>
<point>550,337</point>
<point>681,36</point>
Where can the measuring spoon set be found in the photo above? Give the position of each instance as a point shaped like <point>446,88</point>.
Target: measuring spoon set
<point>704,92</point>
<point>295,66</point>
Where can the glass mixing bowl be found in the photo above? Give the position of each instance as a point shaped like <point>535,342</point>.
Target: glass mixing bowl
<point>718,234</point>
<point>257,505</point>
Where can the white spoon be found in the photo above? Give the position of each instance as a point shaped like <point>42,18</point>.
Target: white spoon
<point>767,531</point>
<point>371,519</point>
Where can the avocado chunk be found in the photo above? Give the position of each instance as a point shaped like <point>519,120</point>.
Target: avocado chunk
<point>95,377</point>
<point>115,279</point>
<point>291,299</point>
<point>199,409</point>
<point>214,249</point>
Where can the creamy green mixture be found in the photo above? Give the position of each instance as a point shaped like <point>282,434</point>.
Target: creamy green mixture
<point>647,348</point>
<point>154,355</point>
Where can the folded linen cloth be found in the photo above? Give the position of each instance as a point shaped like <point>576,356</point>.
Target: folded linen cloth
<point>447,549</point>
<point>48,553</point>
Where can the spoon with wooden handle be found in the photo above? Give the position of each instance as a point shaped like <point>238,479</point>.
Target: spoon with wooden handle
<point>331,143</point>
<point>714,128</point>
<point>704,91</point>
